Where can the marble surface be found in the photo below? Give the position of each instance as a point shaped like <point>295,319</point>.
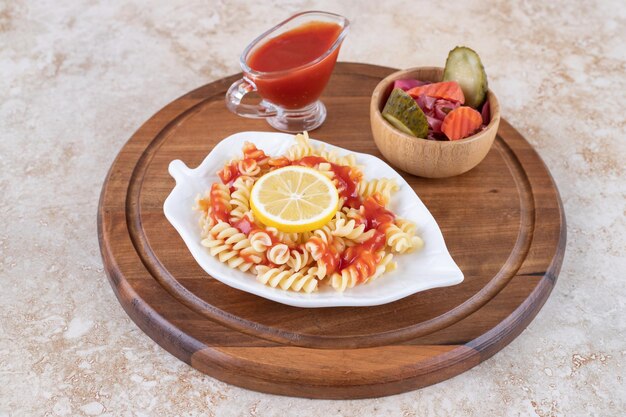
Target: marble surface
<point>77,77</point>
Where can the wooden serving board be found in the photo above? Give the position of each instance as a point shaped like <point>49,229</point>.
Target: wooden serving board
<point>503,223</point>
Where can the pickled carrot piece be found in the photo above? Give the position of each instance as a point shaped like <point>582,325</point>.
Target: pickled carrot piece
<point>461,123</point>
<point>448,90</point>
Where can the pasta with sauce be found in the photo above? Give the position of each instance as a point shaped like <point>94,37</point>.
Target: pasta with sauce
<point>356,247</point>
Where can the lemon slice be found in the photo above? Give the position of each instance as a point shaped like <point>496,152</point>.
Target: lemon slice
<point>294,199</point>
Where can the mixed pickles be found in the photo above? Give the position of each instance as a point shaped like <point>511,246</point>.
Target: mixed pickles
<point>452,109</point>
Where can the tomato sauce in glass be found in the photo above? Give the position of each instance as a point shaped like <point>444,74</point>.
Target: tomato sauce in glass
<point>291,50</point>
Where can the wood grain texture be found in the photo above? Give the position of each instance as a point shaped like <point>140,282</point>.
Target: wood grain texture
<point>503,224</point>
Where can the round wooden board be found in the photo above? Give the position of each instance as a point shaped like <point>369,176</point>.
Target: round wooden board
<point>503,223</point>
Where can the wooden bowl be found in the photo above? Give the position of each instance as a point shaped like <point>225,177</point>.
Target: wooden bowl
<point>423,157</point>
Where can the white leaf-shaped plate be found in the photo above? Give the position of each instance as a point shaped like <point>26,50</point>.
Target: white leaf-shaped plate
<point>431,267</point>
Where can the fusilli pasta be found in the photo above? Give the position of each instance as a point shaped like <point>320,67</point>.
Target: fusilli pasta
<point>240,198</point>
<point>278,254</point>
<point>302,147</point>
<point>349,229</point>
<point>286,278</point>
<point>385,187</point>
<point>232,247</point>
<point>356,246</point>
<point>397,240</point>
<point>299,258</point>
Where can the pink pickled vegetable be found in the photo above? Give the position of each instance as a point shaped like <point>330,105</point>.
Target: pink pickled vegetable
<point>443,107</point>
<point>408,84</point>
<point>425,102</point>
<point>434,124</point>
<point>486,113</point>
<point>435,110</point>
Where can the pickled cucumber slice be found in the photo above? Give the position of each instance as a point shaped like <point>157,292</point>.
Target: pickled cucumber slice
<point>464,66</point>
<point>404,113</point>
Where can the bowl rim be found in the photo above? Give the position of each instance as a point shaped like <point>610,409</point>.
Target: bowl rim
<point>495,115</point>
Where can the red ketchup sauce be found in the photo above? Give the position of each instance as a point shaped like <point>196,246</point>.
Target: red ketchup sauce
<point>365,253</point>
<point>331,258</point>
<point>363,257</point>
<point>279,162</point>
<point>290,50</point>
<point>347,179</point>
<point>229,173</point>
<point>375,213</point>
<point>219,211</point>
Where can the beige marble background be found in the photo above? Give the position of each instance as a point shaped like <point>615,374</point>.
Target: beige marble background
<point>78,77</point>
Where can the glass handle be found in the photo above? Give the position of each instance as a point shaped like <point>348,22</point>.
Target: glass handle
<point>236,93</point>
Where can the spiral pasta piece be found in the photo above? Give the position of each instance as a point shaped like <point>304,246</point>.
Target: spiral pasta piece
<point>384,265</point>
<point>219,228</point>
<point>285,237</point>
<point>279,162</point>
<point>332,156</point>
<point>323,269</point>
<point>326,169</point>
<point>250,151</point>
<point>355,214</point>
<point>286,278</point>
<point>349,229</point>
<point>302,147</point>
<point>260,241</point>
<point>340,281</point>
<point>325,249</point>
<point>384,186</point>
<point>225,253</point>
<point>303,237</point>
<point>219,202</point>
<point>250,255</point>
<point>410,229</point>
<point>224,231</point>
<point>397,240</point>
<point>298,259</point>
<point>203,205</point>
<point>206,223</point>
<point>224,235</point>
<point>316,272</point>
<point>406,226</point>
<point>417,243</point>
<point>278,254</point>
<point>249,168</point>
<point>363,267</point>
<point>316,247</point>
<point>240,198</point>
<point>325,235</point>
